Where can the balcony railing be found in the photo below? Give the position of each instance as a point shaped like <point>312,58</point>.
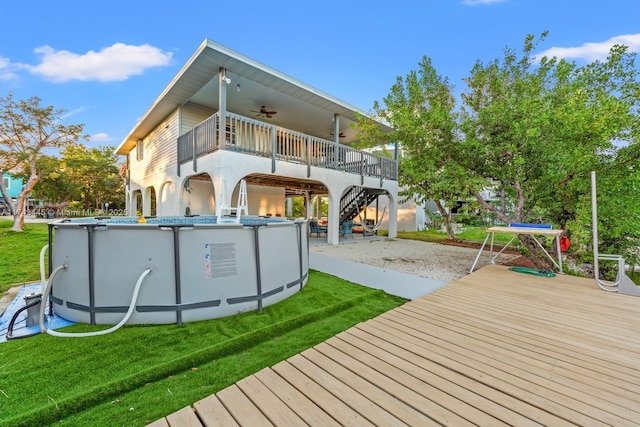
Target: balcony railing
<point>257,138</point>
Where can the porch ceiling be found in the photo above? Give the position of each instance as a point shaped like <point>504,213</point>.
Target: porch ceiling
<point>292,186</point>
<point>299,107</point>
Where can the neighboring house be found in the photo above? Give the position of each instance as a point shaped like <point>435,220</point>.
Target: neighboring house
<point>12,184</point>
<point>226,118</point>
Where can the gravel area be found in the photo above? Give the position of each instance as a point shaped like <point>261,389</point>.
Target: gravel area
<point>430,260</point>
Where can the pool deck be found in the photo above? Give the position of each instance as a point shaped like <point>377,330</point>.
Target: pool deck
<point>495,347</point>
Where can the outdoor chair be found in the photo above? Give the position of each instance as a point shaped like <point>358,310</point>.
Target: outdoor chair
<point>315,228</point>
<point>346,229</point>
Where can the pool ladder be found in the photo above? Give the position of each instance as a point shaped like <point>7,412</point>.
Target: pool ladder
<point>224,212</point>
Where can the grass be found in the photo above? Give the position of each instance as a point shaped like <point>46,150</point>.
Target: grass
<point>471,234</point>
<point>20,253</point>
<point>141,373</point>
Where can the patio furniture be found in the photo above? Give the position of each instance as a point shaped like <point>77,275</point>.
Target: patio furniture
<point>315,228</point>
<point>346,229</point>
<point>518,229</point>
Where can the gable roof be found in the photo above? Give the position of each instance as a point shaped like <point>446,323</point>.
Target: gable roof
<point>300,107</point>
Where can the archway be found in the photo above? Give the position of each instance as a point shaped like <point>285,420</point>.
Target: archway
<point>136,203</point>
<point>197,196</point>
<point>149,207</point>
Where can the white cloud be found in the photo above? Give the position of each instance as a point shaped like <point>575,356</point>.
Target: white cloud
<point>100,137</point>
<point>113,63</point>
<point>6,69</point>
<point>593,51</point>
<point>477,2</point>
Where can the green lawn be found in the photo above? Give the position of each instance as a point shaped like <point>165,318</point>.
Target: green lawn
<point>20,253</point>
<point>471,234</point>
<point>140,373</point>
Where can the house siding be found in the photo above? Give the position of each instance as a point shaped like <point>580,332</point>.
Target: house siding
<point>159,153</point>
<point>191,115</point>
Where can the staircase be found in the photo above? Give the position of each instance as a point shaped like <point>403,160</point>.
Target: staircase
<point>356,199</point>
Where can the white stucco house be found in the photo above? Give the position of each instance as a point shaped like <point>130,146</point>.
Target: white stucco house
<point>225,118</point>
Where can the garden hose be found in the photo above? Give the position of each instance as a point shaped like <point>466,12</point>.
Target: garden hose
<point>533,271</point>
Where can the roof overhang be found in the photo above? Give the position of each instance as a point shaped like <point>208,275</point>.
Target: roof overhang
<point>300,107</point>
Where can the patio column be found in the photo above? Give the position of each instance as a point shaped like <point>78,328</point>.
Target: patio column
<point>333,217</point>
<point>223,80</point>
<point>308,206</point>
<point>393,217</point>
<point>289,212</point>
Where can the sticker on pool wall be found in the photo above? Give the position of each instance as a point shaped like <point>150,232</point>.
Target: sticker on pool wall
<point>222,261</point>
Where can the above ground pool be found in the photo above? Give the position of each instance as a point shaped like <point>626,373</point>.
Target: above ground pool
<point>188,268</point>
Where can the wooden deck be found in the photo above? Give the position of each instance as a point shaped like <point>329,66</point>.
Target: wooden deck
<point>493,348</point>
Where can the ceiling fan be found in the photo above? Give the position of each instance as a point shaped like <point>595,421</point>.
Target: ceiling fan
<point>264,112</point>
<point>341,134</point>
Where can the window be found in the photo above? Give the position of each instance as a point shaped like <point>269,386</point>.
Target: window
<point>139,150</point>
<point>7,182</point>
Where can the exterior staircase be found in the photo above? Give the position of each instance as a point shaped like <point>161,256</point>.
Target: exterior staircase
<point>356,199</point>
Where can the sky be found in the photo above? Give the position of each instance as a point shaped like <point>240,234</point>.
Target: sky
<point>106,62</point>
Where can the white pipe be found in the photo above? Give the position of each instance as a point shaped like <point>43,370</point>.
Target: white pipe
<point>609,287</point>
<point>594,219</point>
<point>132,306</point>
<point>47,289</point>
<point>43,282</point>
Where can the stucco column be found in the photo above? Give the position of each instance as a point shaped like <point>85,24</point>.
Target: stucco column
<point>289,208</point>
<point>333,217</point>
<point>393,217</point>
<point>308,206</point>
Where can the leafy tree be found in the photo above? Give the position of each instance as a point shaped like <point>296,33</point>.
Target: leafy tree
<point>53,186</point>
<point>420,109</point>
<point>89,176</point>
<point>534,130</point>
<point>26,129</point>
<point>94,174</point>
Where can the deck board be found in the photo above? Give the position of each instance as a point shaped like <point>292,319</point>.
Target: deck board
<point>495,347</point>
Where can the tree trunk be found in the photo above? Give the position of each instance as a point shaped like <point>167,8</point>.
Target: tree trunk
<point>536,255</point>
<point>18,215</point>
<point>446,220</point>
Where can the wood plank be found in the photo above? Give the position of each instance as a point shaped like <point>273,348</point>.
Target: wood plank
<point>397,393</point>
<point>495,347</point>
<point>534,354</point>
<point>555,344</point>
<point>298,402</point>
<point>241,408</point>
<point>446,342</point>
<point>373,404</point>
<point>185,417</point>
<point>320,396</point>
<point>269,403</point>
<point>212,413</point>
<point>162,422</point>
<point>503,381</point>
<point>500,405</point>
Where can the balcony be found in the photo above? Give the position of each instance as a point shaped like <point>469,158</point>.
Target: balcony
<point>248,136</point>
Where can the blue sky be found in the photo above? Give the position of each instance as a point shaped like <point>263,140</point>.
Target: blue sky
<point>105,62</point>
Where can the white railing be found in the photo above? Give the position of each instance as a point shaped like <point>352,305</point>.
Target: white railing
<point>257,138</point>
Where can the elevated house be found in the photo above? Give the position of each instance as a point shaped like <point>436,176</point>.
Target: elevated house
<point>225,118</point>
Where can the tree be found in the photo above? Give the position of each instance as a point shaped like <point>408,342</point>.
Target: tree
<point>26,129</point>
<point>420,109</point>
<point>535,129</point>
<point>93,174</point>
<point>88,176</point>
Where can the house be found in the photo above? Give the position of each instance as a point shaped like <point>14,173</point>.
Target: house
<point>226,118</point>
<point>12,184</point>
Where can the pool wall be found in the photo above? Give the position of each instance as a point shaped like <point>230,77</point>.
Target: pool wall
<point>199,270</point>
